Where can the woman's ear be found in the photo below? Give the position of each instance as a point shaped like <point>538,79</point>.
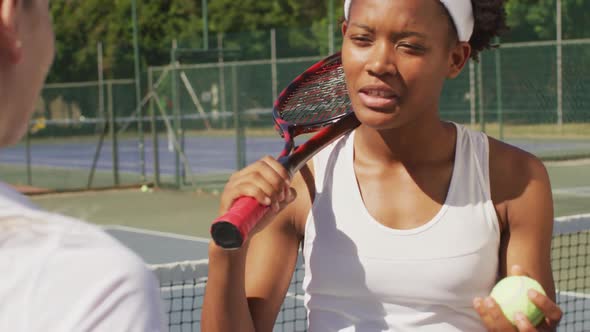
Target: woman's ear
<point>10,44</point>
<point>458,58</point>
<point>344,27</point>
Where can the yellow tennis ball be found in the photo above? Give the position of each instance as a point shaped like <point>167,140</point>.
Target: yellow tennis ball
<point>144,189</point>
<point>511,294</point>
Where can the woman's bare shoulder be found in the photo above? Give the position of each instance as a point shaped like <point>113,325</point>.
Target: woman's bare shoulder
<point>512,162</point>
<point>514,175</point>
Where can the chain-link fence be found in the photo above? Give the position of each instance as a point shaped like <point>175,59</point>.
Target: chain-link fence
<point>82,135</point>
<point>531,95</point>
<point>207,113</point>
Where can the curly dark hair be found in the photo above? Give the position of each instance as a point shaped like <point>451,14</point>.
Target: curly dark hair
<point>490,22</point>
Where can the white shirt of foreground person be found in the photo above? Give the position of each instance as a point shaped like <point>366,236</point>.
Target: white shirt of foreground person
<point>60,274</point>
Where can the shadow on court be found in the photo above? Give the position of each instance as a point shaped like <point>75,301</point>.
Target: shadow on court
<point>158,247</point>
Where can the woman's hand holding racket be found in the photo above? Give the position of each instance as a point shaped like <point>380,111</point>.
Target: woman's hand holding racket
<point>266,181</point>
<point>316,101</point>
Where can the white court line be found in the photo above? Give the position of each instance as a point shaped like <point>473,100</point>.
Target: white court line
<point>573,218</point>
<point>573,191</point>
<point>577,216</point>
<point>298,297</point>
<point>574,294</point>
<point>156,233</point>
<point>576,162</point>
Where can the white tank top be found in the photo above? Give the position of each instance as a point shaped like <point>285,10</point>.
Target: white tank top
<point>363,276</point>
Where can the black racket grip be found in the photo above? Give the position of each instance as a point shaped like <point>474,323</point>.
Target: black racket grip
<point>231,230</point>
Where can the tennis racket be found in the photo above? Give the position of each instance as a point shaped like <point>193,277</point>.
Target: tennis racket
<point>316,101</point>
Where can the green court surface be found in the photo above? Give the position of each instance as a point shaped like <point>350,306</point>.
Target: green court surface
<point>177,212</point>
<point>570,182</point>
<point>62,178</point>
<point>68,179</point>
<point>568,174</point>
<point>190,213</point>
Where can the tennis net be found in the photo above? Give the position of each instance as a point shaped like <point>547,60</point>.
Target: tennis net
<point>182,288</point>
<point>182,284</point>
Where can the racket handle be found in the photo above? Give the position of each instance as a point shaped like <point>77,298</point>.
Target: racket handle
<point>231,230</point>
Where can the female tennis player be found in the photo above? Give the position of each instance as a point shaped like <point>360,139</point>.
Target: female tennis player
<point>58,274</point>
<point>408,222</point>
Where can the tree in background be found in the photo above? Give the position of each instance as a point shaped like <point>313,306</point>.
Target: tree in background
<point>80,25</point>
<point>531,20</point>
<point>301,29</point>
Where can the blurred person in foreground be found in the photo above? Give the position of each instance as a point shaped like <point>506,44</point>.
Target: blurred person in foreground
<point>407,222</point>
<point>57,273</point>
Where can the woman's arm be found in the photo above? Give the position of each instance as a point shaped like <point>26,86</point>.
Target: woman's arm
<point>521,188</point>
<point>246,287</point>
<point>527,239</point>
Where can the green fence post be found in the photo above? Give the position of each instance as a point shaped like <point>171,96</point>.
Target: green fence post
<point>482,118</point>
<point>138,107</point>
<point>472,100</point>
<point>204,9</point>
<point>113,133</point>
<point>220,61</point>
<point>273,63</point>
<point>559,64</point>
<point>240,153</point>
<point>176,111</point>
<point>499,90</point>
<point>29,168</point>
<point>331,25</point>
<point>154,125</point>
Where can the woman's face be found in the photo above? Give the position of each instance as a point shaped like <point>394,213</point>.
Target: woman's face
<point>22,78</point>
<point>396,56</point>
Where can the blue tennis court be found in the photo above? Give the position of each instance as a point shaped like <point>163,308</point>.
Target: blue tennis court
<point>205,155</point>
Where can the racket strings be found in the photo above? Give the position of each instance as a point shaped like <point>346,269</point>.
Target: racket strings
<point>319,96</point>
